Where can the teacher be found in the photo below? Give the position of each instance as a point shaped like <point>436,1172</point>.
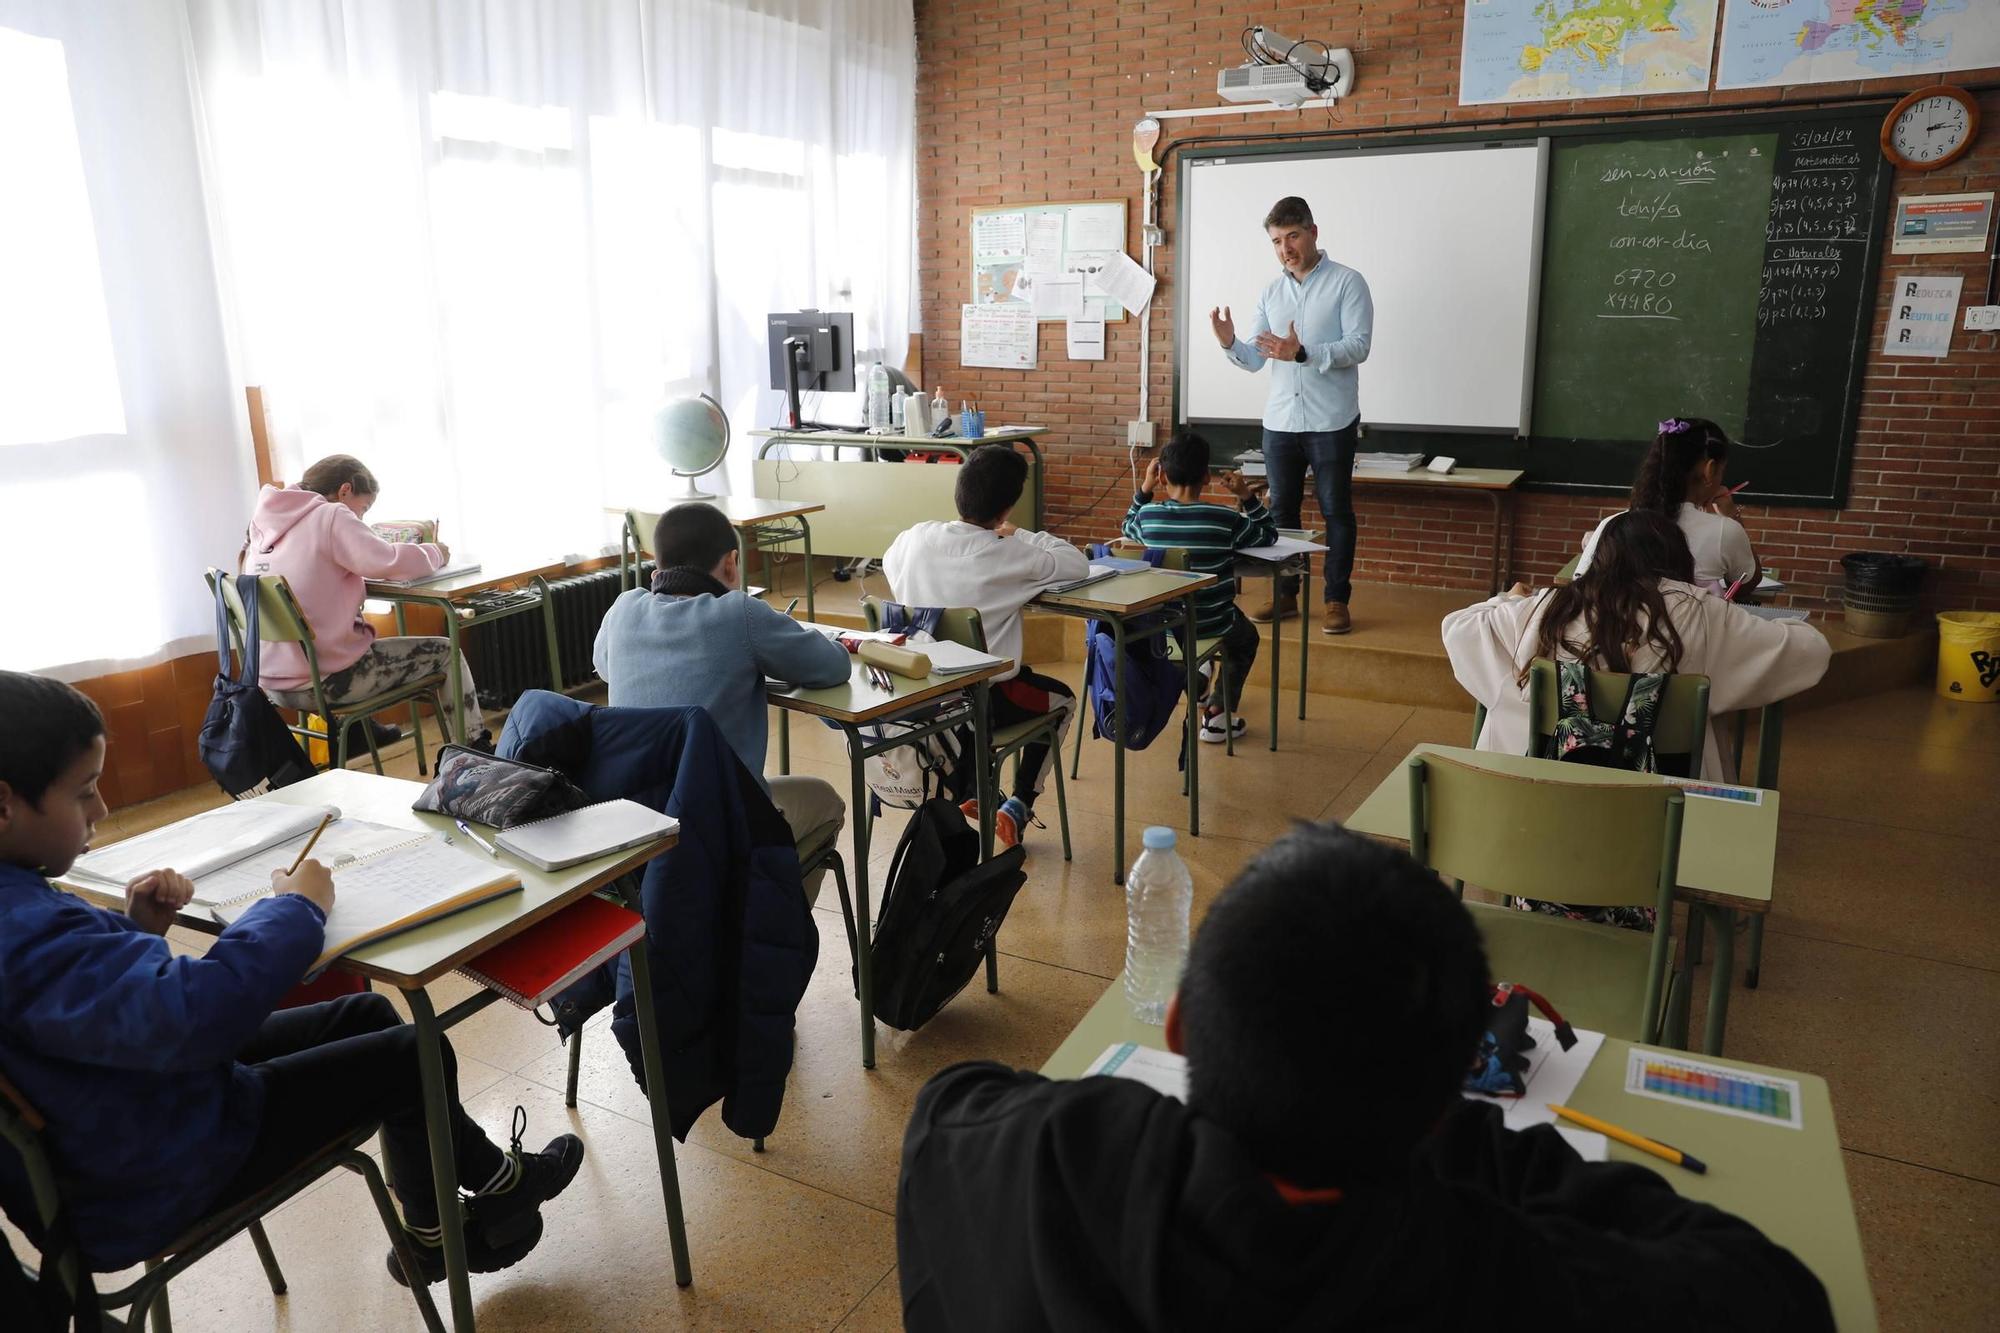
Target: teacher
<point>1314,408</point>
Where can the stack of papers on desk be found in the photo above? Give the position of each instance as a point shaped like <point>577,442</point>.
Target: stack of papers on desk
<point>1388,462</point>
<point>451,570</point>
<point>950,659</point>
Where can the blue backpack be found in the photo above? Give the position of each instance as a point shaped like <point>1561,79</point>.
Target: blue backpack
<point>1154,683</point>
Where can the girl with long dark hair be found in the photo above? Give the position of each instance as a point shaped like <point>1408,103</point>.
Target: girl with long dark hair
<point>1637,608</point>
<point>1681,477</point>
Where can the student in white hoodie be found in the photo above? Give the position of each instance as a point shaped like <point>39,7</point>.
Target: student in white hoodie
<point>983,561</point>
<point>1637,608</point>
<point>1681,477</point>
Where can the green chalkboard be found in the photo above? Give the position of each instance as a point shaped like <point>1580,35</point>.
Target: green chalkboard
<point>1720,275</point>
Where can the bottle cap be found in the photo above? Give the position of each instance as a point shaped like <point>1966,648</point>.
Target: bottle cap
<point>1158,839</point>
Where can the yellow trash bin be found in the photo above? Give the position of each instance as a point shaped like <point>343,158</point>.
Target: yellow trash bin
<point>1969,655</point>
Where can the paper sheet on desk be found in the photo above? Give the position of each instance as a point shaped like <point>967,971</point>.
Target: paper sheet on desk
<point>1282,549</point>
<point>450,571</point>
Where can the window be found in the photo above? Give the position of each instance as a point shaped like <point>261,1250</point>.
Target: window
<point>58,376</point>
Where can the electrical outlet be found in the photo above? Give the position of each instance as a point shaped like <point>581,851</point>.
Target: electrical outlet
<point>1982,317</point>
<point>1139,434</point>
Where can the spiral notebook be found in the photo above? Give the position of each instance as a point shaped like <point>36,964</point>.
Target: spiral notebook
<point>585,834</point>
<point>547,958</point>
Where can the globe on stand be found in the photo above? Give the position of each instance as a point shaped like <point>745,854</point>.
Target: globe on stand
<point>692,436</point>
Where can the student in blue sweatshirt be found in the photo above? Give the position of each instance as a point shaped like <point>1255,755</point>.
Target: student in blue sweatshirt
<point>696,639</point>
<point>170,1087</point>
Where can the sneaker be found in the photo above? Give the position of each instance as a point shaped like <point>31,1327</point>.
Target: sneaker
<point>504,1214</point>
<point>1010,821</point>
<point>1213,732</point>
<point>481,1254</point>
<point>385,733</point>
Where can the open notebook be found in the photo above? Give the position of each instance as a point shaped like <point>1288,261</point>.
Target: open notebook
<point>396,888</point>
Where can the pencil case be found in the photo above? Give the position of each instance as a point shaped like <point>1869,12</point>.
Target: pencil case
<point>901,661</point>
<point>483,788</point>
<point>1502,1058</point>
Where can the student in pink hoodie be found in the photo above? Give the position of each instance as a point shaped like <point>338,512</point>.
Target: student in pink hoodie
<point>314,534</point>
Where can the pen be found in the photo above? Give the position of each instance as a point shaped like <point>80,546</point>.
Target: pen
<point>792,606</point>
<point>304,851</point>
<point>1631,1140</point>
<point>1738,486</point>
<point>466,829</point>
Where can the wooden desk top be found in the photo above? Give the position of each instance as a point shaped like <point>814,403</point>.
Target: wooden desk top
<point>1728,848</point>
<point>1791,1183</point>
<point>1463,478</point>
<point>1127,593</point>
<point>858,702</point>
<point>484,579</point>
<point>743,511</point>
<point>899,441</point>
<point>417,957</point>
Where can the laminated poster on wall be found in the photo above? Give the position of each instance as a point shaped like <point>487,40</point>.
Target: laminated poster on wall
<point>1000,337</point>
<point>1922,309</point>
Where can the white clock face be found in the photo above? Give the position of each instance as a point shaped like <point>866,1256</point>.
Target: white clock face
<point>1931,129</point>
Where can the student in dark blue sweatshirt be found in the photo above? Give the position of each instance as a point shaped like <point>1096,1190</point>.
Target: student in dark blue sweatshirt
<point>170,1086</point>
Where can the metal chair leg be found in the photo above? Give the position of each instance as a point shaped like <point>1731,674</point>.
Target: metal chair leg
<point>161,1313</point>
<point>1695,922</point>
<point>1062,806</point>
<point>757,1145</point>
<point>267,1257</point>
<point>417,736</point>
<point>1756,952</point>
<point>399,1241</point>
<point>1076,758</point>
<point>575,1063</point>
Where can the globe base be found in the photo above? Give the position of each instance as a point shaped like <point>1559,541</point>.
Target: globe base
<point>691,491</point>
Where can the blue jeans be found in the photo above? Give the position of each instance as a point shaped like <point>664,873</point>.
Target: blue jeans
<point>1330,455</point>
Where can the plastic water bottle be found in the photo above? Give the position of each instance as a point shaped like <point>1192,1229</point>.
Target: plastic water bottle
<point>878,399</point>
<point>898,410</point>
<point>1158,896</point>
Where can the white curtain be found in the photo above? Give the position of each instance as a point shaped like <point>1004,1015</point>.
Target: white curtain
<point>476,244</point>
<point>124,452</point>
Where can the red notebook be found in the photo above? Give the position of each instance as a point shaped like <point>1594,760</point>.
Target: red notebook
<point>541,961</point>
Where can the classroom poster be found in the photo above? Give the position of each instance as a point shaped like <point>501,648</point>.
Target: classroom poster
<point>1922,309</point>
<point>1943,223</point>
<point>1001,337</point>
<point>1027,256</point>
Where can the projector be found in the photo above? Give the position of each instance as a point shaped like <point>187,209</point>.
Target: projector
<point>1278,84</point>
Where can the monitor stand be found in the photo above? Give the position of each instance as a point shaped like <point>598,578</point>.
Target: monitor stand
<point>795,350</point>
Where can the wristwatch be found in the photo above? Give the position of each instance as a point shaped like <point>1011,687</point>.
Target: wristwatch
<point>1301,358</point>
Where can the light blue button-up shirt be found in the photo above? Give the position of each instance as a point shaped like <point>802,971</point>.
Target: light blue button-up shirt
<point>1335,317</point>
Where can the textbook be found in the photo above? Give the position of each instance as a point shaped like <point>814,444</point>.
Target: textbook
<point>396,888</point>
<point>548,958</point>
<point>585,834</point>
<point>1388,462</point>
<point>206,843</point>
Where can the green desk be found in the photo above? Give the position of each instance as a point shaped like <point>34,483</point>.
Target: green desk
<point>1299,566</point>
<point>870,501</point>
<point>775,522</point>
<point>1790,1183</point>
<point>414,959</point>
<point>1728,849</point>
<point>449,596</point>
<point>938,703</point>
<point>1118,601</point>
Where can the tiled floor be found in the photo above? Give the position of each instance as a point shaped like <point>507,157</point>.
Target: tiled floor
<point>1882,972</point>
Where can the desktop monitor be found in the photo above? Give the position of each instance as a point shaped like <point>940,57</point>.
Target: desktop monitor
<point>811,351</point>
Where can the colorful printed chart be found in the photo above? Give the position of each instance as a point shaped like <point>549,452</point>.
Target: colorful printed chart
<point>1537,50</point>
<point>1766,43</point>
<point>1676,1078</point>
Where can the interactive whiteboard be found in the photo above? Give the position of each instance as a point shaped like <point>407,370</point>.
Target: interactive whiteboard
<point>1449,239</point>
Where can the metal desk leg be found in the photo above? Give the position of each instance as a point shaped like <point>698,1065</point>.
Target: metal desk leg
<point>457,681</point>
<point>1719,979</point>
<point>1118,748</point>
<point>1305,631</point>
<point>549,640</point>
<point>656,1098</point>
<point>1194,722</point>
<point>444,1158</point>
<point>784,742</point>
<point>1277,645</point>
<point>988,792</point>
<point>806,535</point>
<point>864,962</point>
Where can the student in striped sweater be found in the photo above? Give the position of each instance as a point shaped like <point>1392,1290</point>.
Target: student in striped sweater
<point>1211,534</point>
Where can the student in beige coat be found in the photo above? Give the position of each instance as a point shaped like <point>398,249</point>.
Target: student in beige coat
<point>1637,608</point>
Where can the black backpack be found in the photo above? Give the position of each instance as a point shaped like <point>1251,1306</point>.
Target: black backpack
<point>944,905</point>
<point>244,743</point>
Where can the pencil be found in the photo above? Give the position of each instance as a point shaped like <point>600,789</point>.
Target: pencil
<point>306,850</point>
<point>1631,1140</point>
<point>1738,486</point>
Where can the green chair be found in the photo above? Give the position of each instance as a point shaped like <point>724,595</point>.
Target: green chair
<point>1680,729</point>
<point>1587,843</point>
<point>1567,574</point>
<point>279,620</point>
<point>963,625</point>
<point>24,1130</point>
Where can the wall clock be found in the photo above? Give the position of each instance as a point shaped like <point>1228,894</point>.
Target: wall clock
<point>1931,128</point>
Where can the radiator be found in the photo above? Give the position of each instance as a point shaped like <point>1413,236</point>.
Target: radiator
<point>509,656</point>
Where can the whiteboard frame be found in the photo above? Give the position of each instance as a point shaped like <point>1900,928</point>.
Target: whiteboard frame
<point>1405,146</point>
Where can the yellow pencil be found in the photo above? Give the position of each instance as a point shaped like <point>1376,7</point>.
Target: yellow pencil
<point>307,849</point>
<point>1631,1140</point>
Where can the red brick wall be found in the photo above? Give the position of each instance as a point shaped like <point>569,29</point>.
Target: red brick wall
<point>1033,101</point>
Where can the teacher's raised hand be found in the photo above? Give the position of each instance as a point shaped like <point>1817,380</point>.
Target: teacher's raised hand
<point>1224,326</point>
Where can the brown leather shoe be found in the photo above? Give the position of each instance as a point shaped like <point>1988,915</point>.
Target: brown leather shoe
<point>1260,610</point>
<point>1335,620</point>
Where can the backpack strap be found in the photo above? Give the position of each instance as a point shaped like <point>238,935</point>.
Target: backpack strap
<point>246,592</point>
